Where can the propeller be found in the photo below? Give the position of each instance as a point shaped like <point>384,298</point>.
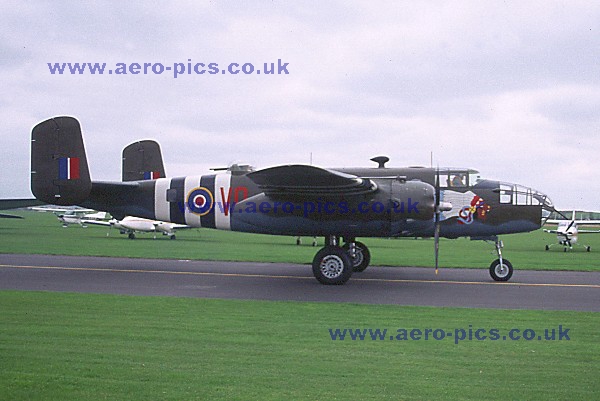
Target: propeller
<point>436,234</point>
<point>566,234</point>
<point>439,208</point>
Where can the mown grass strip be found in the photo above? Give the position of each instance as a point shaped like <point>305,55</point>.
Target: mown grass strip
<point>56,346</point>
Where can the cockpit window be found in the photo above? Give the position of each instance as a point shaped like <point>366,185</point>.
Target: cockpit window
<point>520,195</point>
<point>459,178</point>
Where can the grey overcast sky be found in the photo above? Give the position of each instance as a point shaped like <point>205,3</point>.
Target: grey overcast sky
<point>510,88</point>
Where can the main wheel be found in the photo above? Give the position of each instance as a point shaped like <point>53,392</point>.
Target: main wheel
<point>131,236</point>
<point>501,272</point>
<point>362,256</point>
<point>332,266</point>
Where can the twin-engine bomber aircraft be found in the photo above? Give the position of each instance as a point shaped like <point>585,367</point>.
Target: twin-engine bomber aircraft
<point>298,200</point>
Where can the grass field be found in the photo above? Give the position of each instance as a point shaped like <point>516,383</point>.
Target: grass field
<point>41,233</point>
<point>80,346</point>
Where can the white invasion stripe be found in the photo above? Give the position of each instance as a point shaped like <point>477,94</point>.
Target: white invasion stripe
<point>222,196</point>
<point>162,208</point>
<point>191,182</point>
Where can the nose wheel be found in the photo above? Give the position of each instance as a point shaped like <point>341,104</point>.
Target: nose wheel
<point>500,269</point>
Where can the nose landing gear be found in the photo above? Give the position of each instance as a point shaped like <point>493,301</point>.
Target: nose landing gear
<point>500,269</point>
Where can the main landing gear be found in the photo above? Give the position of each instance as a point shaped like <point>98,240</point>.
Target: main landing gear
<point>500,269</point>
<point>334,264</point>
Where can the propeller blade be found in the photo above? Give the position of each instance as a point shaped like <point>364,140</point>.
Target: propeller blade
<point>436,235</point>
<point>437,244</point>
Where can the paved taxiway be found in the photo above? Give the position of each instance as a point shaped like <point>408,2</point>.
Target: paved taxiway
<point>283,281</point>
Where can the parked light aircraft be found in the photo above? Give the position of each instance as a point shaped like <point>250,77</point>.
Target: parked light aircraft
<point>299,200</point>
<point>69,216</point>
<point>131,225</point>
<point>567,232</point>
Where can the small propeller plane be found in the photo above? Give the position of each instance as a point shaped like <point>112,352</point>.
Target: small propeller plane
<point>68,216</point>
<point>567,232</point>
<point>339,204</point>
<point>131,225</point>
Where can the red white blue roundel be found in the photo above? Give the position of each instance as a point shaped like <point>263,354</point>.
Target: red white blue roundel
<point>200,201</point>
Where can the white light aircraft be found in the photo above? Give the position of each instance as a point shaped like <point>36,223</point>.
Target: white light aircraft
<point>69,216</point>
<point>567,232</point>
<point>132,225</point>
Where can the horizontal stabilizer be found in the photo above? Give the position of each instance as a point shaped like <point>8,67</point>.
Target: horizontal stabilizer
<point>303,180</point>
<point>9,216</point>
<point>18,203</point>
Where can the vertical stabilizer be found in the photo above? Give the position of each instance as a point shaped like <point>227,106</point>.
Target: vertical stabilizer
<point>142,160</point>
<point>59,168</point>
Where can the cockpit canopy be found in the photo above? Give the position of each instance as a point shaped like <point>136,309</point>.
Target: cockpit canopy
<point>514,194</point>
<point>511,194</point>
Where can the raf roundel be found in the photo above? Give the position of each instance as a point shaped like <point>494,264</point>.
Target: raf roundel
<point>200,201</point>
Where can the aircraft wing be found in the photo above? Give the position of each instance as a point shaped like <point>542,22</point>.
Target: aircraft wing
<point>578,222</point>
<point>97,222</point>
<point>181,227</point>
<point>309,181</point>
<point>589,231</point>
<point>72,211</point>
<point>551,231</point>
<point>156,223</point>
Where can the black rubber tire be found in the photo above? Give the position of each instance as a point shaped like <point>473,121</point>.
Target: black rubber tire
<point>497,273</point>
<point>547,248</point>
<point>361,262</point>
<point>173,237</point>
<point>131,236</point>
<point>332,266</point>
